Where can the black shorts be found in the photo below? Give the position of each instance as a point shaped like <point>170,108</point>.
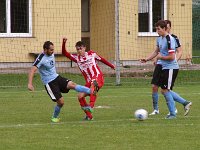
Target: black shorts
<point>56,87</point>
<point>157,75</point>
<point>168,78</point>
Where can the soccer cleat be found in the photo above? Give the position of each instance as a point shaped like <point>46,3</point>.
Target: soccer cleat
<point>187,108</point>
<point>87,108</point>
<point>155,112</point>
<point>55,120</point>
<point>176,112</point>
<point>87,118</point>
<point>170,117</point>
<point>94,87</point>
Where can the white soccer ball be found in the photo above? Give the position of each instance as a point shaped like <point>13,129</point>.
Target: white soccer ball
<point>141,114</point>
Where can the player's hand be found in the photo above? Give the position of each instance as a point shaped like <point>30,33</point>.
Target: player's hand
<point>113,67</point>
<point>30,87</point>
<point>155,61</point>
<point>143,60</point>
<point>64,39</point>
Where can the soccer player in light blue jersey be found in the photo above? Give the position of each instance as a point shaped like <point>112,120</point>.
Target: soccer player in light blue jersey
<point>158,70</point>
<point>168,70</point>
<point>53,82</point>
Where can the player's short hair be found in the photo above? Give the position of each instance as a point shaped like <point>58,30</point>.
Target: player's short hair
<point>168,22</point>
<point>80,43</point>
<point>47,44</point>
<point>162,24</point>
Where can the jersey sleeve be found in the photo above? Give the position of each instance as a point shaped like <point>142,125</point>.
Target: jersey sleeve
<point>38,61</point>
<point>170,44</point>
<point>178,44</point>
<point>67,54</point>
<point>103,60</point>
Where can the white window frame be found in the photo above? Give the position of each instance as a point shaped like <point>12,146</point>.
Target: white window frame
<point>8,23</point>
<point>151,33</point>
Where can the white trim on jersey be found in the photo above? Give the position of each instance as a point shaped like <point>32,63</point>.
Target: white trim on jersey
<point>171,50</point>
<point>169,84</point>
<point>50,91</point>
<point>88,66</point>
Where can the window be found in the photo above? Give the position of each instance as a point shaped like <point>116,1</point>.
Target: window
<point>3,17</point>
<point>15,18</point>
<point>149,12</point>
<point>85,15</point>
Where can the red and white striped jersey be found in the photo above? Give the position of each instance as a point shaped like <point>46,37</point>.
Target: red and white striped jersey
<point>87,64</point>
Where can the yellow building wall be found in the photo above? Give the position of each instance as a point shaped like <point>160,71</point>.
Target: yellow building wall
<point>128,44</point>
<point>102,29</point>
<point>134,47</point>
<point>51,20</point>
<point>180,13</point>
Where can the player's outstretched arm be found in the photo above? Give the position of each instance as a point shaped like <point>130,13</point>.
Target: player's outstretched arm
<point>103,60</point>
<point>30,78</point>
<point>151,56</point>
<point>65,52</point>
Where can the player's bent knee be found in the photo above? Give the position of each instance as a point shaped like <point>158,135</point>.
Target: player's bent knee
<point>81,95</point>
<point>60,102</point>
<point>155,88</point>
<point>71,85</point>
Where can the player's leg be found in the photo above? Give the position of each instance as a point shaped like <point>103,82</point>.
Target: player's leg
<point>178,98</point>
<point>166,85</point>
<point>78,88</point>
<point>82,100</point>
<point>155,97</point>
<point>155,85</point>
<point>54,92</point>
<point>95,84</point>
<point>170,103</point>
<point>84,106</point>
<point>57,110</point>
<point>186,104</point>
<point>65,85</point>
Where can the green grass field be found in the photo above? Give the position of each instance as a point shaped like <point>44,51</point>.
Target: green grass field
<point>25,119</point>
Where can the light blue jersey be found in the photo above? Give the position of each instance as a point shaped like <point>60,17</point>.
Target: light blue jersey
<point>167,45</point>
<point>46,67</point>
<point>157,44</point>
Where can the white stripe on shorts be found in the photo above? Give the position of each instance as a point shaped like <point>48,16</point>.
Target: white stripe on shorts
<point>50,91</point>
<point>170,79</point>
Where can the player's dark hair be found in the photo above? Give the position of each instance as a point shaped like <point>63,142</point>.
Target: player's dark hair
<point>168,22</point>
<point>47,44</point>
<point>162,24</point>
<point>80,43</point>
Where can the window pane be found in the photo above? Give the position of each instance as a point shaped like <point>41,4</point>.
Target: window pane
<point>143,16</point>
<point>19,16</point>
<point>85,15</point>
<point>158,11</point>
<point>3,16</point>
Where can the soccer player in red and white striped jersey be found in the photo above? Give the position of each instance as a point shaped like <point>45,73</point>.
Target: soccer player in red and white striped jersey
<point>93,76</point>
